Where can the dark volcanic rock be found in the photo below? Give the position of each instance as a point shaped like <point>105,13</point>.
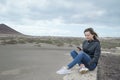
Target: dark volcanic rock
<point>109,67</point>
<point>4,29</point>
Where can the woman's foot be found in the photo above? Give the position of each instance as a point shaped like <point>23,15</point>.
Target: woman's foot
<point>83,70</point>
<point>63,70</point>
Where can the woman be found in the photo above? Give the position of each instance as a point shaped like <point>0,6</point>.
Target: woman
<point>88,56</point>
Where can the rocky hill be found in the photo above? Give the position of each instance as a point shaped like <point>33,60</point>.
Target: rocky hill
<point>4,29</point>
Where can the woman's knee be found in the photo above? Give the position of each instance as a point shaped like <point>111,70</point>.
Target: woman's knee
<point>73,52</point>
<point>80,55</point>
<point>92,67</point>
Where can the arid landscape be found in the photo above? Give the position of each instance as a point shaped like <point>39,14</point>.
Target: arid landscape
<point>25,57</point>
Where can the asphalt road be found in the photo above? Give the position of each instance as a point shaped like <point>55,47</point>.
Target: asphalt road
<point>29,62</point>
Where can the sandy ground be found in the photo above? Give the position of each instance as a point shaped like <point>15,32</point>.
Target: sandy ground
<point>29,62</point>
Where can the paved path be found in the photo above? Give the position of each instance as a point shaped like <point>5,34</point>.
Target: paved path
<point>29,62</point>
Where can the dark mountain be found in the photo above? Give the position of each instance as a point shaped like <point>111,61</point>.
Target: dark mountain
<point>4,29</point>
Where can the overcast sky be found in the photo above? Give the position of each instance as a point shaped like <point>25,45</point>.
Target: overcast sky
<point>62,17</point>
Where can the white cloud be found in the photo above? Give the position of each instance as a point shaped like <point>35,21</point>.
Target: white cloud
<point>38,30</point>
<point>41,27</point>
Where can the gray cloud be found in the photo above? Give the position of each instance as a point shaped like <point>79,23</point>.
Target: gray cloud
<point>112,15</point>
<point>77,11</point>
<point>90,12</point>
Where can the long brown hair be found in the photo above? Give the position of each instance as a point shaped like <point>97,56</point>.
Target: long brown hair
<point>91,30</point>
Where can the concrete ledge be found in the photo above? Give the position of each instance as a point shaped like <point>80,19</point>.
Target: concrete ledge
<point>75,75</point>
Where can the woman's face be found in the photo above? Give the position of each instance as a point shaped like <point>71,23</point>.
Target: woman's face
<point>88,35</point>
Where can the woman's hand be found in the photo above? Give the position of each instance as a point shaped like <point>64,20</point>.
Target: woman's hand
<point>79,48</point>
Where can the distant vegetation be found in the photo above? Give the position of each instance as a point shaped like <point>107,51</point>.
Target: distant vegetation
<point>110,43</point>
<point>14,37</point>
<point>58,41</point>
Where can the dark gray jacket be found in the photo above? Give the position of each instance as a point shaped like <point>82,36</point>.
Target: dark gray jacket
<point>93,49</point>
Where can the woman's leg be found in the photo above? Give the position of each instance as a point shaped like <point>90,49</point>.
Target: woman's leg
<point>86,60</point>
<point>73,54</point>
<point>80,58</point>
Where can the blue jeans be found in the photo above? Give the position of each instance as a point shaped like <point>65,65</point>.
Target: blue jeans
<point>81,58</point>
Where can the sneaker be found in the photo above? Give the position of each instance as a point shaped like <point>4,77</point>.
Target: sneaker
<point>83,70</point>
<point>63,70</point>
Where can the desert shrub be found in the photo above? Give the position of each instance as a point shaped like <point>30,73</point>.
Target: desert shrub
<point>70,45</point>
<point>21,41</point>
<point>60,44</point>
<point>77,43</point>
<point>2,42</point>
<point>109,44</point>
<point>46,41</point>
<point>30,40</point>
<point>10,41</point>
<point>38,45</point>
